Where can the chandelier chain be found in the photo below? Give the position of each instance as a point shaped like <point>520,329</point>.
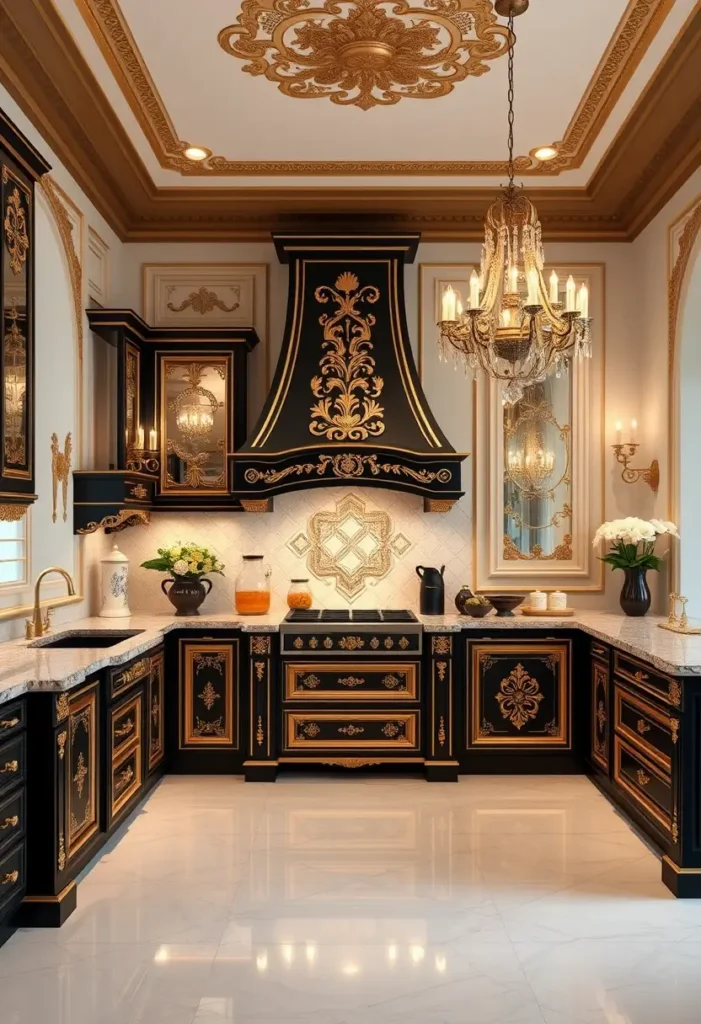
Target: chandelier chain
<point>512,41</point>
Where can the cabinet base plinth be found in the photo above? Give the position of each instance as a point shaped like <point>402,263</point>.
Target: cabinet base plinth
<point>47,911</point>
<point>441,771</point>
<point>685,883</point>
<point>260,771</point>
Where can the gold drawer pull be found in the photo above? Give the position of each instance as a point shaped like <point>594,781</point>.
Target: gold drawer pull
<point>641,677</point>
<point>643,778</point>
<point>12,822</point>
<point>598,650</point>
<point>10,878</point>
<point>9,723</point>
<point>125,729</point>
<point>10,766</point>
<point>643,727</point>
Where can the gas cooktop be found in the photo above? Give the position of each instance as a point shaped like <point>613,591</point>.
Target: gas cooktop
<point>350,615</point>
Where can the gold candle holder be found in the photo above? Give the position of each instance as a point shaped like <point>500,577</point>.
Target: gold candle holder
<point>142,460</point>
<point>678,623</point>
<point>651,475</point>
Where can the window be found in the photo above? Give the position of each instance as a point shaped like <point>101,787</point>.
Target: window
<point>13,553</point>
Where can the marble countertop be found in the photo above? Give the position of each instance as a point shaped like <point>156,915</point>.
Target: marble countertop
<point>26,666</point>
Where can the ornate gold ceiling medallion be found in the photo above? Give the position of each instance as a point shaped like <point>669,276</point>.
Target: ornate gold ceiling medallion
<point>365,53</point>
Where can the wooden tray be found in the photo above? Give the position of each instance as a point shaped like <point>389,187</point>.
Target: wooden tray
<point>536,613</point>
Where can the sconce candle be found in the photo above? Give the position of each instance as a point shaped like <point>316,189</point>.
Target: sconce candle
<point>583,301</point>
<point>619,432</point>
<point>448,305</point>
<point>532,299</point>
<point>140,438</point>
<point>571,296</point>
<point>633,431</point>
<point>474,290</point>
<point>554,287</point>
<point>513,279</point>
<point>153,440</point>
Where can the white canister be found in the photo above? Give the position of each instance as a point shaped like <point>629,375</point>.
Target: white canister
<point>538,600</point>
<point>557,601</point>
<point>115,581</point>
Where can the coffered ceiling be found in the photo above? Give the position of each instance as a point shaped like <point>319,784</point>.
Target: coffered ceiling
<point>310,110</point>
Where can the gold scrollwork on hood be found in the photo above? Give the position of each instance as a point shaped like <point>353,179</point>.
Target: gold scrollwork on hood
<point>347,367</point>
<point>347,467</point>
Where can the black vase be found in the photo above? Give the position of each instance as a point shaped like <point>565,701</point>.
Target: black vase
<point>635,595</point>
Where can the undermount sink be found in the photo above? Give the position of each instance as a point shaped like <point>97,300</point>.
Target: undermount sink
<point>96,638</point>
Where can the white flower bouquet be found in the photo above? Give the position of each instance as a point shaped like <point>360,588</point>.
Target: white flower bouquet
<point>185,561</point>
<point>633,542</point>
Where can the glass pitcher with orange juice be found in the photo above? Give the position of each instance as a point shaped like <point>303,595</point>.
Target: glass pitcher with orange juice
<point>252,587</point>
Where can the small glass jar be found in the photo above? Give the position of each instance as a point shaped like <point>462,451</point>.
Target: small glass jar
<point>299,595</point>
<point>252,587</point>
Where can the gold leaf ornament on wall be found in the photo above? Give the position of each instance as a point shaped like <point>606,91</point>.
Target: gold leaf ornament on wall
<point>348,387</point>
<point>365,53</point>
<point>60,471</point>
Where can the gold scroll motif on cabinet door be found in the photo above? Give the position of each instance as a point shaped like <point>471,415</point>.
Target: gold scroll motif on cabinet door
<point>538,473</point>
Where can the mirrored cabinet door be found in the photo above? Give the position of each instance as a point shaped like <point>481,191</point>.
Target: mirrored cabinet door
<point>196,398</point>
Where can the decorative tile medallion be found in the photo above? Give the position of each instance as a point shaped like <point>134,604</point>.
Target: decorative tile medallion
<point>350,545</point>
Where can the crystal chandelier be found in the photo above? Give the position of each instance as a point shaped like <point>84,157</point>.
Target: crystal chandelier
<point>195,421</point>
<point>531,470</point>
<point>514,329</point>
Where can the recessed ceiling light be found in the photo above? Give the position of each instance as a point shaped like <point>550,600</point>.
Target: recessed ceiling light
<point>545,153</point>
<point>196,153</point>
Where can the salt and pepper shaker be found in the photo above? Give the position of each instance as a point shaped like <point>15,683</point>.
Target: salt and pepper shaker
<point>557,601</point>
<point>538,600</point>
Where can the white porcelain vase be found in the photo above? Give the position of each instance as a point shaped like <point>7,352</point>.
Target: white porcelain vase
<point>115,584</point>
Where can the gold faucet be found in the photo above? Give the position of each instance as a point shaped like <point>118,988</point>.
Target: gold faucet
<point>36,626</point>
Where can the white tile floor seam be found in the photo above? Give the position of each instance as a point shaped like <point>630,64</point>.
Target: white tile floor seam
<point>366,900</point>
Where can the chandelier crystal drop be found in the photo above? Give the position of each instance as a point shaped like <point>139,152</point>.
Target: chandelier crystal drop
<point>515,329</point>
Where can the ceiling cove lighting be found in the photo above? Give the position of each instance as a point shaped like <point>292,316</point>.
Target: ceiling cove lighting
<point>545,153</point>
<point>514,327</point>
<point>197,153</point>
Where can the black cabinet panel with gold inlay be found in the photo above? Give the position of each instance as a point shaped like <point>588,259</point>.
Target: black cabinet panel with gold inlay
<point>155,711</point>
<point>381,731</point>
<point>77,750</point>
<point>352,681</point>
<point>519,695</point>
<point>649,787</point>
<point>125,780</point>
<point>653,731</point>
<point>209,694</point>
<point>600,714</point>
<point>360,643</point>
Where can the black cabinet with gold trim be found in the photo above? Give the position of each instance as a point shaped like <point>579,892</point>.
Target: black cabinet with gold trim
<point>599,748</point>
<point>519,696</point>
<point>13,812</point>
<point>21,166</point>
<point>443,657</point>
<point>260,650</point>
<point>208,721</point>
<point>155,711</point>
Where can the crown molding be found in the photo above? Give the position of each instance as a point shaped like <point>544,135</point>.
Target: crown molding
<point>656,150</point>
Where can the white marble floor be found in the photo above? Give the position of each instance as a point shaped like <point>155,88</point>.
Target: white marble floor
<point>377,901</point>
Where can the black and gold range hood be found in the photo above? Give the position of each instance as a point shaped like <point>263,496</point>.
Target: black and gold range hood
<point>346,405</point>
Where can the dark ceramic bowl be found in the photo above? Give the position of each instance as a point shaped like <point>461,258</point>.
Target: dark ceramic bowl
<point>504,604</point>
<point>477,611</point>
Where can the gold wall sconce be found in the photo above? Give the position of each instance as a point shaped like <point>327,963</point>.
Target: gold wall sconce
<point>141,459</point>
<point>625,453</point>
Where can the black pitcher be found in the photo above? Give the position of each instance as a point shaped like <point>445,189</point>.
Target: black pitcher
<point>432,598</point>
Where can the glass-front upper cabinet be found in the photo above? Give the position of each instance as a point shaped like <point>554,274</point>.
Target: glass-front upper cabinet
<point>20,167</point>
<point>196,398</point>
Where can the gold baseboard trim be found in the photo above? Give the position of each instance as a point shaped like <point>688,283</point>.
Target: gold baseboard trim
<point>51,899</point>
<point>254,764</point>
<point>677,870</point>
<point>451,764</point>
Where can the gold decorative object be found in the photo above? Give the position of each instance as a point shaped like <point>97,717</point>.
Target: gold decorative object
<point>351,643</point>
<point>12,513</point>
<point>351,681</point>
<point>213,661</point>
<point>257,505</point>
<point>125,730</point>
<point>130,675</point>
<point>61,744</point>
<point>125,778</point>
<point>560,553</point>
<point>11,822</point>
<point>309,729</point>
<point>139,492</point>
<point>310,681</point>
<point>675,829</point>
<point>364,54</point>
<point>520,697</point>
<point>61,860</point>
<point>441,645</point>
<point>260,735</point>
<point>15,392</point>
<point>80,774</point>
<point>209,696</point>
<point>442,667</point>
<point>214,728</point>
<point>328,643</point>
<point>347,367</point>
<point>351,762</point>
<point>651,475</point>
<point>348,467</point>
<point>16,235</point>
<point>298,642</point>
<point>203,301</point>
<point>674,724</point>
<point>439,505</point>
<point>675,693</point>
<point>392,682</point>
<point>259,668</point>
<point>313,643</point>
<point>515,338</point>
<point>391,730</point>
<point>353,730</point>
<point>441,731</point>
<point>141,460</point>
<point>389,643</point>
<point>9,768</point>
<point>260,645</point>
<point>113,524</point>
<point>10,878</point>
<point>60,471</point>
<point>642,777</point>
<point>678,623</point>
<point>642,726</point>
<point>63,707</point>
<point>601,715</point>
<point>403,643</point>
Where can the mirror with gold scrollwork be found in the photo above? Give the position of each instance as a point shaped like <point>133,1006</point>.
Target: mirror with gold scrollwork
<point>538,473</point>
<point>16,367</point>
<point>194,419</point>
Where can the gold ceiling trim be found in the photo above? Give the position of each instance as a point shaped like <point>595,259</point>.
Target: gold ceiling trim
<point>362,54</point>
<point>635,32</point>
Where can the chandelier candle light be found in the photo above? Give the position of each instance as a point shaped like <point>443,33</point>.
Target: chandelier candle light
<point>515,329</point>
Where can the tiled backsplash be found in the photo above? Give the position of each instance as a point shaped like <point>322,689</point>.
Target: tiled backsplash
<point>393,547</point>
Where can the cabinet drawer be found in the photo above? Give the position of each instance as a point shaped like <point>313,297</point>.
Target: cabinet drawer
<point>12,719</point>
<point>645,784</point>
<point>599,650</point>
<point>13,873</point>
<point>13,766</point>
<point>125,725</point>
<point>126,779</point>
<point>645,678</point>
<point>646,728</point>
<point>125,676</point>
<point>341,731</point>
<point>352,681</point>
<point>356,643</point>
<point>13,818</point>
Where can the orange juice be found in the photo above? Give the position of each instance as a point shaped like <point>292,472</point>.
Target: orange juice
<point>252,602</point>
